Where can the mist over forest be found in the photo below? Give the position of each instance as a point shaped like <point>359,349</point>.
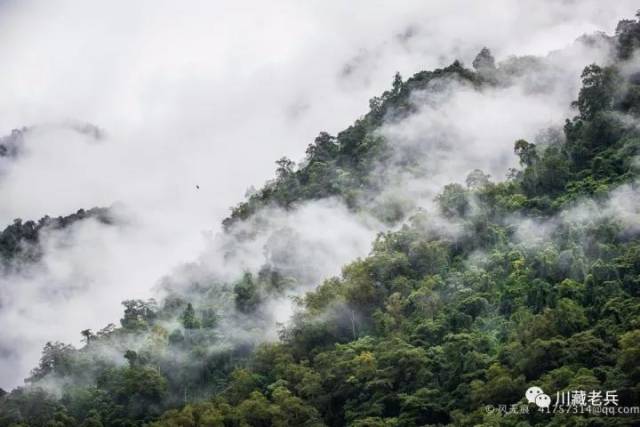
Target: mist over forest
<point>318,214</point>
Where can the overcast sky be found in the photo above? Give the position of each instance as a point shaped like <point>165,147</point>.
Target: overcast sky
<point>210,94</point>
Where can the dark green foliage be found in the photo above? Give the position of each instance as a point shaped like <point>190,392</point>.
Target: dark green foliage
<point>598,93</point>
<point>19,241</point>
<point>56,360</point>
<point>137,314</point>
<point>189,320</point>
<point>247,294</point>
<point>31,407</point>
<point>628,37</point>
<point>453,200</point>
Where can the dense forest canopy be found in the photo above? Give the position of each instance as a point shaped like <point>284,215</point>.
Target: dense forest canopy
<point>494,287</point>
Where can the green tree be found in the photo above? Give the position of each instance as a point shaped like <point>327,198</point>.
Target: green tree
<point>189,319</point>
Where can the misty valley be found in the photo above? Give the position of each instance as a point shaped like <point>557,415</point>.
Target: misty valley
<point>466,252</point>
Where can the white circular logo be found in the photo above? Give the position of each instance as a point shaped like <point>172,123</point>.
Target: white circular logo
<point>532,393</point>
<point>543,400</point>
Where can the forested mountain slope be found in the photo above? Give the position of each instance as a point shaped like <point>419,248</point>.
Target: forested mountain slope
<point>499,286</point>
<point>19,242</point>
